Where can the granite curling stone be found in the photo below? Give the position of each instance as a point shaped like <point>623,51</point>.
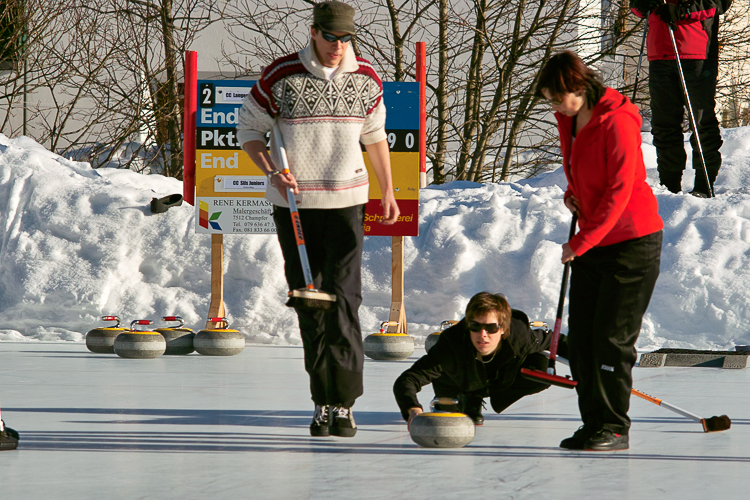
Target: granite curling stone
<point>140,344</point>
<point>432,338</point>
<point>219,341</point>
<point>102,340</point>
<point>179,340</point>
<point>442,430</point>
<point>388,346</point>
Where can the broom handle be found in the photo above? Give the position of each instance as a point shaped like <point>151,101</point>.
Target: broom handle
<point>643,395</point>
<point>666,405</point>
<point>560,306</point>
<point>298,234</point>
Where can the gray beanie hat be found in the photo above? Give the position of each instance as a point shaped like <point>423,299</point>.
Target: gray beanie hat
<point>334,16</point>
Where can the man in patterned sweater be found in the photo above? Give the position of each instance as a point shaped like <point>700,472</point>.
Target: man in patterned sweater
<point>326,100</point>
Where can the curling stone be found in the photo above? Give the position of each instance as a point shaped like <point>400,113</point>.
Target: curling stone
<point>388,346</point>
<point>102,340</point>
<point>179,340</point>
<point>219,341</point>
<point>432,338</point>
<point>442,429</point>
<point>140,344</point>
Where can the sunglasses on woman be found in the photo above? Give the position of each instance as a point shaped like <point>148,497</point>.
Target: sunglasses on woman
<point>487,327</point>
<point>330,37</point>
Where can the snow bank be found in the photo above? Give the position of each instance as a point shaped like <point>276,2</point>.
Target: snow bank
<point>79,243</point>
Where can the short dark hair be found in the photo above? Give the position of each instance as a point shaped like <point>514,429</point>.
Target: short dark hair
<point>565,72</point>
<point>485,303</point>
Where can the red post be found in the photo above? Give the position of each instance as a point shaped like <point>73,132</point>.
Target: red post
<point>189,126</point>
<point>422,79</point>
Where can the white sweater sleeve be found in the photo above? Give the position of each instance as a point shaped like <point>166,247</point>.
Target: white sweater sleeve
<point>374,128</point>
<point>254,122</point>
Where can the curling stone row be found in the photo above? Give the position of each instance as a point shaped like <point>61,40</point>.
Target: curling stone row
<point>432,338</point>
<point>178,340</point>
<point>175,340</point>
<point>442,429</point>
<point>388,346</point>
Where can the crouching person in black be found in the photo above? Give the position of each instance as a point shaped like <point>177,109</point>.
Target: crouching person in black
<point>478,357</point>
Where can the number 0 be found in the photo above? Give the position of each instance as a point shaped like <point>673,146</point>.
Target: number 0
<point>409,141</point>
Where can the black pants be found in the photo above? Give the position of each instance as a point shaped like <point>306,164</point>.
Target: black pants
<point>334,355</point>
<point>610,288</point>
<point>500,398</point>
<point>667,115</point>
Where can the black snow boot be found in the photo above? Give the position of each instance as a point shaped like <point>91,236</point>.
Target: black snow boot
<point>342,422</point>
<point>320,422</point>
<point>473,406</point>
<point>671,180</point>
<point>8,438</point>
<point>700,189</point>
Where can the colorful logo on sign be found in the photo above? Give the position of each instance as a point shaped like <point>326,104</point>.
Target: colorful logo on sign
<point>204,220</point>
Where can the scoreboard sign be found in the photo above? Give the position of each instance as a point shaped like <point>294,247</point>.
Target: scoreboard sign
<point>230,188</point>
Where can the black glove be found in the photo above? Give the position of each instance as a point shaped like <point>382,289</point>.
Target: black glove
<point>670,13</point>
<point>645,6</point>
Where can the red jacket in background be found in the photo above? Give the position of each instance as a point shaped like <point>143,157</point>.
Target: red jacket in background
<point>693,35</point>
<point>606,173</point>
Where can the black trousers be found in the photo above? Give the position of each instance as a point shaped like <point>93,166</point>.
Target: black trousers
<point>610,288</point>
<point>332,340</point>
<point>500,398</point>
<point>668,113</point>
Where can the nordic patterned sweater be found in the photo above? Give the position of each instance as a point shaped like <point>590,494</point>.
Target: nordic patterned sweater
<point>322,121</point>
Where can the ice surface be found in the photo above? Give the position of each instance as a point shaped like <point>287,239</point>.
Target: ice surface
<point>195,427</point>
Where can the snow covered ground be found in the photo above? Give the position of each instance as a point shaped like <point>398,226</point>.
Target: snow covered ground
<point>78,243</point>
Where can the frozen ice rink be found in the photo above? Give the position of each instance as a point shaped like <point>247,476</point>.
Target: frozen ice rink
<point>195,427</point>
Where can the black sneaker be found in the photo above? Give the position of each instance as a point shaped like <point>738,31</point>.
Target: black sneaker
<point>320,422</point>
<point>605,440</point>
<point>342,422</point>
<point>578,440</point>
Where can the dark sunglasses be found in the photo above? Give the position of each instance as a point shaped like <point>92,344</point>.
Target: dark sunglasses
<point>487,327</point>
<point>554,102</point>
<point>330,37</point>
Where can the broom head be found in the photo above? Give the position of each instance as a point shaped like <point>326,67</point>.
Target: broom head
<point>716,424</point>
<point>310,300</point>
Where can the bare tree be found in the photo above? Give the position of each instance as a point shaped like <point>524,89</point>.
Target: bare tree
<point>105,74</point>
<point>733,91</point>
<point>111,69</point>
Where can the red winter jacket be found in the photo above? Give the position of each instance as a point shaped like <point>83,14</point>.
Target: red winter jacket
<point>693,35</point>
<point>606,173</point>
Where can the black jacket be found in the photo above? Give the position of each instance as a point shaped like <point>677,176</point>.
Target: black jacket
<point>456,357</point>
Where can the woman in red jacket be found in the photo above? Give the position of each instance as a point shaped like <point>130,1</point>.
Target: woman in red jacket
<point>615,254</point>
